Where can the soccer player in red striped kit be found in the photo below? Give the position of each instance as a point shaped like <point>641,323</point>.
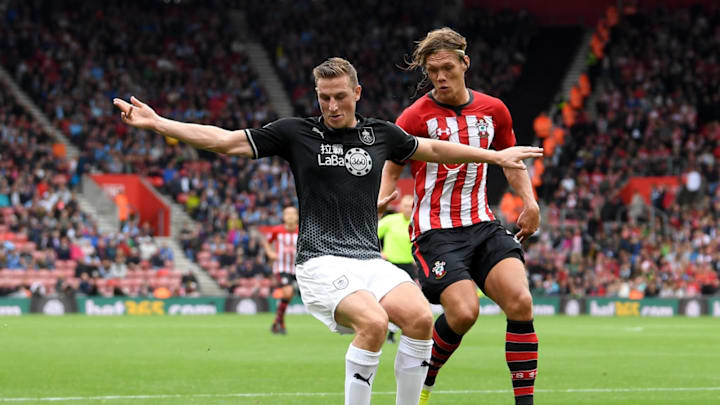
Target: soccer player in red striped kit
<point>282,254</point>
<point>458,244</point>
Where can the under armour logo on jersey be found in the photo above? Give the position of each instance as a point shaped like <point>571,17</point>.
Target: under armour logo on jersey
<point>361,378</point>
<point>443,133</point>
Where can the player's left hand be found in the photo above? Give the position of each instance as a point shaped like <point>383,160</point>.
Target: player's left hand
<point>383,202</point>
<point>528,221</point>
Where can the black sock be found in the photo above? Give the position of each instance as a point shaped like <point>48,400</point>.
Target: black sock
<point>521,353</point>
<point>445,341</point>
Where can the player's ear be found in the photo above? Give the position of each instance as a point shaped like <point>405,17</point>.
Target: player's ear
<point>358,91</point>
<point>466,59</point>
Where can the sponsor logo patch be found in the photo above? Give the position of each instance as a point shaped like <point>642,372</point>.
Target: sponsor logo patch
<point>358,162</point>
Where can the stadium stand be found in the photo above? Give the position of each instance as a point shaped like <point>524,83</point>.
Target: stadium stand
<point>647,113</point>
<point>193,70</point>
<point>48,245</point>
<point>179,74</point>
<point>654,112</point>
<point>295,35</point>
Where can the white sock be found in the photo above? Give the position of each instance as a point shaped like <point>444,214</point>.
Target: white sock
<point>360,369</point>
<point>393,328</point>
<point>411,366</point>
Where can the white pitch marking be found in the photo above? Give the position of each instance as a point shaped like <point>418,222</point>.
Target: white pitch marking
<point>327,394</point>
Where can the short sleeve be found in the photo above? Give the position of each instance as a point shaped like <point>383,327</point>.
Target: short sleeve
<point>504,134</point>
<point>401,145</point>
<point>272,236</point>
<point>272,139</point>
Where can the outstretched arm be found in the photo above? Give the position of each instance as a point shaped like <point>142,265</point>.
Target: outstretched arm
<point>431,150</point>
<point>208,137</point>
<point>529,219</point>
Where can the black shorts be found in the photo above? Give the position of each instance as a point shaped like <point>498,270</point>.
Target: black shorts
<point>283,279</point>
<point>410,269</point>
<point>446,256</point>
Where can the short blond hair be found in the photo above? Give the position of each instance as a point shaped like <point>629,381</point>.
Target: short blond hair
<point>336,67</point>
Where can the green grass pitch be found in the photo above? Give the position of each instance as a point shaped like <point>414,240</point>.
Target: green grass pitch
<point>233,359</point>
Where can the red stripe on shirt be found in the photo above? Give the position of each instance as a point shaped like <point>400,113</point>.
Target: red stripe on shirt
<point>456,197</point>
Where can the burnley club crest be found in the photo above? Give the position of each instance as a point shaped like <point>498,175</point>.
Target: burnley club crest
<point>367,135</point>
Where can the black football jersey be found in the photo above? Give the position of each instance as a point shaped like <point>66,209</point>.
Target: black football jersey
<point>337,177</point>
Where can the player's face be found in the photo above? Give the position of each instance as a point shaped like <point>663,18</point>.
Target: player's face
<point>447,73</point>
<point>337,98</point>
<point>290,216</point>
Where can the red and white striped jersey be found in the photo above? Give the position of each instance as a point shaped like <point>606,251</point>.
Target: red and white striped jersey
<point>285,246</point>
<point>451,196</point>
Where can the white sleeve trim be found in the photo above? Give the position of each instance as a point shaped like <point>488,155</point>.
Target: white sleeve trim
<point>413,150</point>
<point>248,133</point>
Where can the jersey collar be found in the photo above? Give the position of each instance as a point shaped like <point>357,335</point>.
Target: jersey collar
<point>456,108</point>
<point>360,123</point>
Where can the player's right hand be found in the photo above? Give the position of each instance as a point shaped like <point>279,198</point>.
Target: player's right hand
<point>513,157</point>
<point>137,113</point>
<point>382,203</point>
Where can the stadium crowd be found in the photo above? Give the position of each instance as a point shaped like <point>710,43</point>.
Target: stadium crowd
<point>195,70</point>
<point>652,114</point>
<point>74,75</point>
<point>378,38</point>
<point>48,245</point>
<point>656,112</point>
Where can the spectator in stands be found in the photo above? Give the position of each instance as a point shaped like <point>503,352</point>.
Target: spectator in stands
<point>119,267</point>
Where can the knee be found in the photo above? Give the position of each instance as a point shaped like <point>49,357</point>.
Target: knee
<point>462,318</point>
<point>373,327</point>
<point>420,326</point>
<point>519,306</point>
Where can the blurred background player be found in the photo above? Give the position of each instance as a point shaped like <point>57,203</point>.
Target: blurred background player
<point>458,243</point>
<point>281,247</point>
<point>396,245</point>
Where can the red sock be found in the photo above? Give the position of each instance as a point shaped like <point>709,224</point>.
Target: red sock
<point>445,342</point>
<point>280,314</point>
<point>521,353</point>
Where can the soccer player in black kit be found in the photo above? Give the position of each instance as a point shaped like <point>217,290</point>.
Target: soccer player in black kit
<point>337,161</point>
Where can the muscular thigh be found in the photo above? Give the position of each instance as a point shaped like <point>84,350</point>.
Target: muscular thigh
<point>494,244</point>
<point>358,308</point>
<point>404,303</point>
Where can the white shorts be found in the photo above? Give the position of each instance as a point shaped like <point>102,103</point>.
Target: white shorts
<point>324,282</point>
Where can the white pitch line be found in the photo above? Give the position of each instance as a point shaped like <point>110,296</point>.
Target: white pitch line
<point>327,394</point>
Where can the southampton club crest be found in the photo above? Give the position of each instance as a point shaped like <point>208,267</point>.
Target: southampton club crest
<point>367,135</point>
<point>483,127</point>
<point>439,269</point>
